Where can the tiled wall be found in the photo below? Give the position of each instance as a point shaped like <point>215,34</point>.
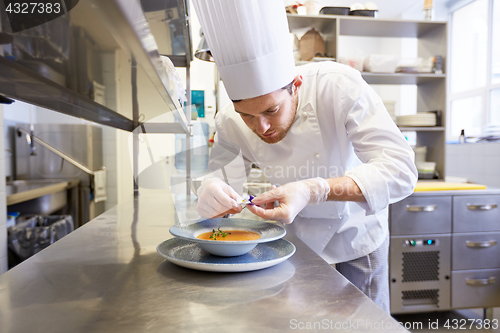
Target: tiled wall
<point>478,162</point>
<point>3,203</point>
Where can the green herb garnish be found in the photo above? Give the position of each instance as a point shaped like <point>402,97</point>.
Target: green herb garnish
<point>218,233</point>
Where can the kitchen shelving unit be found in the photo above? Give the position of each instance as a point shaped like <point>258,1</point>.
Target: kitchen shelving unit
<point>442,253</point>
<point>117,24</point>
<point>131,31</point>
<point>429,288</point>
<point>431,88</point>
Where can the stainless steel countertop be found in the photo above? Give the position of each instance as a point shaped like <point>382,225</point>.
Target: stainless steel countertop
<point>107,277</point>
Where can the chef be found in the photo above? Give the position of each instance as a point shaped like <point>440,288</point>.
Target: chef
<point>319,133</point>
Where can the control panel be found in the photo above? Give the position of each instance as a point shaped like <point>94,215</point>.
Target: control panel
<point>420,242</point>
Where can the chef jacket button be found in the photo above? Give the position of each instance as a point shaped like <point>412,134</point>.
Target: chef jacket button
<point>304,114</point>
<point>317,155</point>
<point>329,227</point>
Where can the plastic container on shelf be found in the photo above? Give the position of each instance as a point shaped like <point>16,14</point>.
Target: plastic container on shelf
<point>312,7</point>
<point>364,12</point>
<point>335,10</point>
<point>11,219</point>
<point>301,10</point>
<point>426,166</point>
<point>355,62</point>
<point>420,154</point>
<point>381,63</point>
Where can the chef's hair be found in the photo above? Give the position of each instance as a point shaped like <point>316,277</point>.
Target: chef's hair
<point>288,87</point>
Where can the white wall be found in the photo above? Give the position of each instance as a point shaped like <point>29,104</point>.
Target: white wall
<point>478,162</point>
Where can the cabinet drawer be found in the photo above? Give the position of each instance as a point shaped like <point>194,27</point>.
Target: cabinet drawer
<point>477,250</point>
<point>477,288</point>
<point>476,213</point>
<point>421,215</point>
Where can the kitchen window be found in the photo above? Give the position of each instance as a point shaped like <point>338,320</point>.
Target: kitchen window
<point>474,87</point>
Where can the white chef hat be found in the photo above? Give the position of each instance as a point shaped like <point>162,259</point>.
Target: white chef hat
<point>249,40</point>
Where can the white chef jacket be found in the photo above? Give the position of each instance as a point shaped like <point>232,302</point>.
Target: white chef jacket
<point>341,129</point>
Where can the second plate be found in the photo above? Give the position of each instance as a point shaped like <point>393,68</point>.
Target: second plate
<point>190,255</point>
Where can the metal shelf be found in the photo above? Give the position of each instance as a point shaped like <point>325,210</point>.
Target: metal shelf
<point>401,78</point>
<point>117,23</point>
<point>326,24</point>
<point>113,24</point>
<point>422,129</point>
<point>126,21</point>
<point>431,38</point>
<point>178,60</point>
<point>18,82</point>
<point>364,26</point>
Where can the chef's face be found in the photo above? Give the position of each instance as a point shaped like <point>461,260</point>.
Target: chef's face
<point>271,116</point>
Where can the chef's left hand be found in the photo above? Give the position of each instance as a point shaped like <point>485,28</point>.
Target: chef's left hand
<point>292,198</point>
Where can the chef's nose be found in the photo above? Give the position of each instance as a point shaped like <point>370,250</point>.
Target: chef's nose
<point>262,125</point>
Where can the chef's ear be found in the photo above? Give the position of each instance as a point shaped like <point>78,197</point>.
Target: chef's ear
<point>297,83</point>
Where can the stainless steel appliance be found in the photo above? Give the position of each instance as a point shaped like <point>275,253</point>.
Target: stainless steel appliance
<point>82,143</point>
<point>420,273</point>
<point>420,254</point>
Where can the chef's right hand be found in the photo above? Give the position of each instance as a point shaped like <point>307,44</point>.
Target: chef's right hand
<point>291,197</point>
<point>216,199</point>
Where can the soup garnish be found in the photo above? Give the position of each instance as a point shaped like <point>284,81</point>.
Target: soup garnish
<point>218,233</point>
<point>234,235</point>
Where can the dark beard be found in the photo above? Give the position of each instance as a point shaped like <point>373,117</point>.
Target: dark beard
<point>289,125</point>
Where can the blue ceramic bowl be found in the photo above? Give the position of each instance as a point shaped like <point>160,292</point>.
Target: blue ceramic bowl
<point>268,232</point>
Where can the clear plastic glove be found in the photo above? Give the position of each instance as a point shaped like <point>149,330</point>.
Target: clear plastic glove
<point>291,198</point>
<point>216,199</point>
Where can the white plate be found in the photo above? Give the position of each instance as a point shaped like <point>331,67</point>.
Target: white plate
<point>188,254</point>
<point>268,232</point>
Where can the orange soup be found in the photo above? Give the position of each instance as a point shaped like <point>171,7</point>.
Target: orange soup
<point>229,235</point>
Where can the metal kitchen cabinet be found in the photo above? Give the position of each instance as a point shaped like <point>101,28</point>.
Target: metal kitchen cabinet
<point>476,268</point>
<point>417,215</point>
<point>444,251</point>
